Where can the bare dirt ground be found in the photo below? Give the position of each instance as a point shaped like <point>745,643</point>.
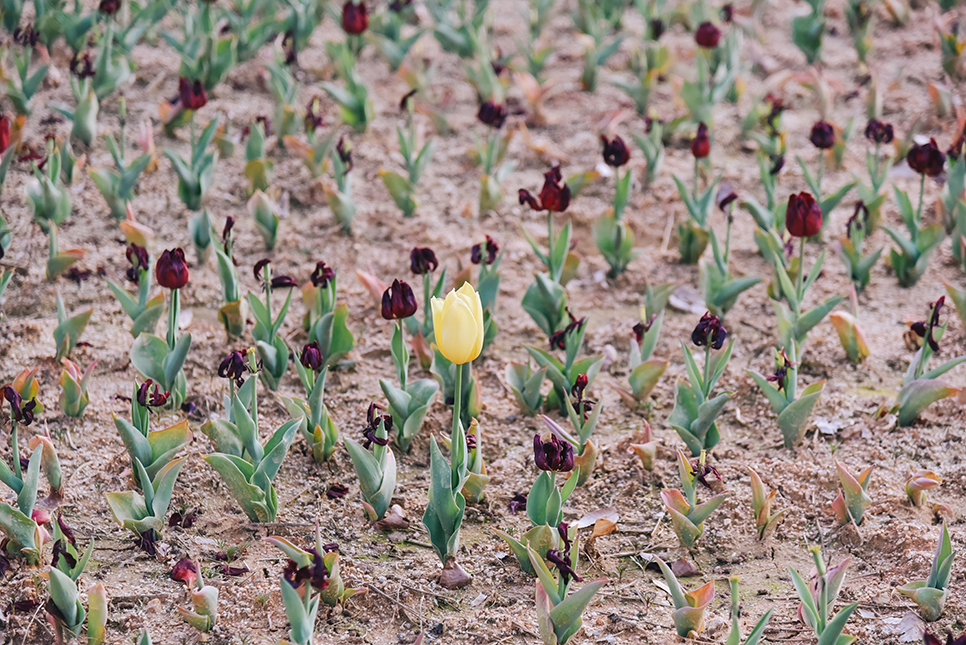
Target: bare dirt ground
<point>893,545</point>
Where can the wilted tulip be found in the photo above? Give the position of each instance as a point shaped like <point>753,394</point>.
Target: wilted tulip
<point>4,133</point>
<point>554,196</point>
<point>554,455</point>
<point>701,144</point>
<point>707,35</point>
<point>492,114</point>
<point>926,159</point>
<point>284,282</point>
<point>192,94</point>
<point>879,132</point>
<point>458,324</point>
<point>171,270</point>
<point>924,328</point>
<point>616,153</point>
<point>233,367</point>
<point>490,247</point>
<point>726,196</point>
<point>138,257</point>
<point>709,331</point>
<point>109,7</point>
<point>151,398</point>
<point>398,301</point>
<point>355,17</point>
<point>822,135</point>
<point>313,115</point>
<point>422,260</point>
<point>803,217</point>
<point>322,275</point>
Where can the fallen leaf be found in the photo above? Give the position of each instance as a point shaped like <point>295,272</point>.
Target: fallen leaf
<point>683,569</point>
<point>591,518</point>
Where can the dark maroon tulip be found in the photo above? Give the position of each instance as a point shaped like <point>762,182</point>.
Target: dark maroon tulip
<point>82,66</point>
<point>4,133</point>
<point>373,419</point>
<point>311,357</point>
<point>554,196</point>
<point>185,519</point>
<point>822,135</point>
<point>727,13</point>
<point>582,406</point>
<point>336,491</point>
<point>554,455</point>
<point>701,143</point>
<point>192,94</point>
<point>355,17</point>
<point>726,195</point>
<point>398,301</point>
<point>803,217</point>
<point>709,331</point>
<point>171,270</point>
<point>22,412</point>
<point>109,7</point>
<point>558,339</point>
<point>258,269</point>
<point>470,442</point>
<point>233,367</point>
<point>491,249</point>
<point>562,565</point>
<point>185,571</point>
<point>492,114</point>
<point>926,159</point>
<point>138,257</point>
<point>879,132</point>
<point>859,217</point>
<point>782,364</point>
<point>314,573</point>
<point>518,503</point>
<point>26,36</point>
<point>151,399</point>
<point>322,275</point>
<point>313,114</point>
<point>616,153</point>
<point>66,529</point>
<point>422,260</point>
<point>924,329</point>
<point>657,28</point>
<point>707,35</point>
<point>284,282</point>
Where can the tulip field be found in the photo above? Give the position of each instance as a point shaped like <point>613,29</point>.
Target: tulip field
<point>482,321</point>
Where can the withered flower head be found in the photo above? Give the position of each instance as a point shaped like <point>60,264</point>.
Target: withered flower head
<point>373,418</point>
<point>257,270</point>
<point>954,152</point>
<point>398,301</point>
<point>581,406</point>
<point>554,196</point>
<point>822,135</point>
<point>22,412</point>
<point>518,503</point>
<point>563,566</point>
<point>926,159</point>
<point>315,572</point>
<point>192,94</point>
<point>860,216</point>
<point>171,269</point>
<point>490,247</point>
<point>234,367</point>
<point>924,329</point>
<point>707,35</point>
<point>777,164</point>
<point>345,153</point>
<point>186,571</point>
<point>554,455</point>
<point>879,132</point>
<point>709,331</point>
<point>657,28</point>
<point>726,195</point>
<point>492,114</point>
<point>355,17</point>
<point>148,398</point>
<point>26,36</point>
<point>138,257</point>
<point>322,275</point>
<point>336,491</point>
<point>558,339</point>
<point>702,470</point>
<point>311,357</point>
<point>803,216</point>
<point>313,114</point>
<point>727,13</point>
<point>929,639</point>
<point>616,153</point>
<point>82,66</point>
<point>782,365</point>
<point>283,282</point>
<point>422,260</point>
<point>701,143</point>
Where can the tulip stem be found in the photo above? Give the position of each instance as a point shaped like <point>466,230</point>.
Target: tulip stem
<point>821,171</point>
<point>174,307</point>
<point>457,400</point>
<point>922,193</point>
<point>15,451</point>
<point>404,356</point>
<point>695,178</point>
<point>875,176</point>
<point>707,370</point>
<point>553,273</point>
<point>801,274</point>
<point>427,305</point>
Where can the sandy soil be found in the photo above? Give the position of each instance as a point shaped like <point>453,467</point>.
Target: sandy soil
<point>894,544</point>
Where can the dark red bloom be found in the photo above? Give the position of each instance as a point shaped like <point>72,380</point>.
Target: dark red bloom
<point>4,133</point>
<point>355,17</point>
<point>803,216</point>
<point>185,571</point>
<point>284,282</point>
<point>822,135</point>
<point>65,529</point>
<point>879,132</point>
<point>554,455</point>
<point>26,36</point>
<point>109,7</point>
<point>257,270</point>
<point>311,357</point>
<point>859,217</point>
<point>780,374</point>
<point>192,94</point>
<point>492,114</point>
<point>60,551</point>
<point>581,406</point>
<point>184,518</point>
<point>151,399</point>
<point>422,260</point>
<point>554,196</point>
<point>701,143</point>
<point>490,247</point>
<point>22,412</point>
<point>707,35</point>
<point>138,257</point>
<point>322,275</point>
<point>398,301</point>
<point>171,270</point>
<point>233,367</point>
<point>616,153</point>
<point>709,331</point>
<point>926,159</point>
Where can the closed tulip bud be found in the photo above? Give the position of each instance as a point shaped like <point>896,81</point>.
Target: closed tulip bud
<point>707,35</point>
<point>355,17</point>
<point>492,114</point>
<point>701,143</point>
<point>822,135</point>
<point>926,159</point>
<point>171,270</point>
<point>422,260</point>
<point>616,153</point>
<point>109,7</point>
<point>311,357</point>
<point>192,94</point>
<point>398,301</point>
<point>458,324</point>
<point>803,217</point>
<point>879,132</point>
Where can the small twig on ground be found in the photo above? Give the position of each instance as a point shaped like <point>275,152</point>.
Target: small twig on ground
<point>396,602</point>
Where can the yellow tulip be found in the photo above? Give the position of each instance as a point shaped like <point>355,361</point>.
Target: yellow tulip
<point>458,323</point>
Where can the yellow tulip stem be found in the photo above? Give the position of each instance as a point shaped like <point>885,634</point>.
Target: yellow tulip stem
<point>457,400</point>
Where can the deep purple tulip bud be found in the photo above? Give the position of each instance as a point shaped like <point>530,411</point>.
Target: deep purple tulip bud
<point>822,135</point>
<point>616,153</point>
<point>701,143</point>
<point>311,357</point>
<point>803,216</point>
<point>492,114</point>
<point>707,35</point>
<point>422,260</point>
<point>398,301</point>
<point>171,270</point>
